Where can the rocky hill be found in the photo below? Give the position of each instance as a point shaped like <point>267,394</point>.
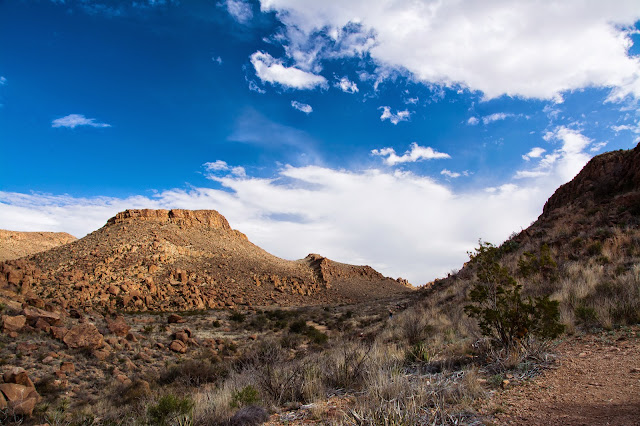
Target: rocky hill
<point>169,260</point>
<point>583,250</point>
<point>14,244</point>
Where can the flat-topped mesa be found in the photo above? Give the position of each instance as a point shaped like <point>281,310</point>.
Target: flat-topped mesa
<point>186,218</point>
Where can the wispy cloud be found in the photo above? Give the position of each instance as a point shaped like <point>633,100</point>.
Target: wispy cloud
<point>394,118</point>
<point>454,175</point>
<point>416,153</point>
<point>217,59</point>
<point>487,119</point>
<point>347,85</point>
<point>472,121</point>
<point>240,10</point>
<point>3,80</point>
<point>74,120</point>
<point>273,71</point>
<point>306,108</point>
<point>222,166</point>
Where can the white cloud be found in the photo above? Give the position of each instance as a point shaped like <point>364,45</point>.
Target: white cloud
<point>534,153</point>
<point>597,146</point>
<point>414,227</point>
<point>416,153</point>
<point>472,121</point>
<point>450,174</point>
<point>240,10</point>
<point>347,85</point>
<point>394,118</point>
<point>3,81</point>
<point>217,59</point>
<point>487,119</point>
<point>273,71</point>
<point>74,120</point>
<point>302,107</point>
<point>222,166</point>
<point>525,48</point>
<point>563,163</point>
<point>255,88</point>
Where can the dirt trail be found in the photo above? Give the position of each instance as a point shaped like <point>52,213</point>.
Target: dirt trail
<point>596,382</point>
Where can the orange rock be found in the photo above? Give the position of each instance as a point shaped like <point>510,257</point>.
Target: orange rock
<point>178,346</point>
<point>84,336</point>
<point>13,323</point>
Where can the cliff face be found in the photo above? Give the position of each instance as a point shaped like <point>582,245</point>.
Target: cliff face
<point>610,178</point>
<point>188,218</point>
<point>184,260</point>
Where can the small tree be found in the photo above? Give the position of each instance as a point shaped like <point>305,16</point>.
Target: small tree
<point>498,306</point>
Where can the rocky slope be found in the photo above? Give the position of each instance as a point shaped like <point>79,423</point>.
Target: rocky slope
<point>14,244</point>
<point>583,250</point>
<point>184,260</point>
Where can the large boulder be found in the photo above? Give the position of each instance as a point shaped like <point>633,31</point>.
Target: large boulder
<point>13,323</point>
<point>20,399</point>
<point>35,314</point>
<point>118,326</point>
<point>84,336</point>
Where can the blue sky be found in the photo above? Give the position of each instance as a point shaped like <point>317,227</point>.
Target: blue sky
<point>391,133</point>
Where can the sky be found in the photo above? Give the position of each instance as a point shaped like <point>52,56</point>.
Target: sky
<point>393,133</point>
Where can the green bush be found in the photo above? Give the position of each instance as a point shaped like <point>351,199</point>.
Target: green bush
<point>168,408</point>
<point>529,264</point>
<point>502,313</point>
<point>245,397</point>
<point>237,317</point>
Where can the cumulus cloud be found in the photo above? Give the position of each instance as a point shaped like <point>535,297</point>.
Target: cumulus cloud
<point>416,153</point>
<point>563,163</point>
<point>534,153</point>
<point>415,227</point>
<point>72,121</point>
<point>472,121</point>
<point>302,107</point>
<point>240,10</point>
<point>525,48</point>
<point>347,85</point>
<point>394,118</point>
<point>273,71</point>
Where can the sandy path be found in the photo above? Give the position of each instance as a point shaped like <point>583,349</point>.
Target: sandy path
<point>595,382</point>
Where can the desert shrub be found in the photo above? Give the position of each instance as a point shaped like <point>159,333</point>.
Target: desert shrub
<point>216,324</point>
<point>594,249</point>
<point>148,329</point>
<point>346,369</point>
<point>497,304</point>
<point>299,326</point>
<point>169,408</point>
<point>585,315</point>
<point>237,317</point>
<point>244,397</point>
<point>193,373</point>
<point>529,264</point>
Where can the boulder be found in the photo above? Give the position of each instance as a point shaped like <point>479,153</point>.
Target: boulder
<point>20,399</point>
<point>84,336</point>
<point>34,314</point>
<point>13,323</point>
<point>178,346</point>
<point>118,326</point>
<point>175,319</point>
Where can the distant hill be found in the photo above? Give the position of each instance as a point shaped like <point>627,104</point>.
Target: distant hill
<point>583,250</point>
<point>185,260</point>
<point>15,244</point>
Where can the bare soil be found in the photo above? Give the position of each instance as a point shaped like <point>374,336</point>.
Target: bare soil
<point>596,381</point>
